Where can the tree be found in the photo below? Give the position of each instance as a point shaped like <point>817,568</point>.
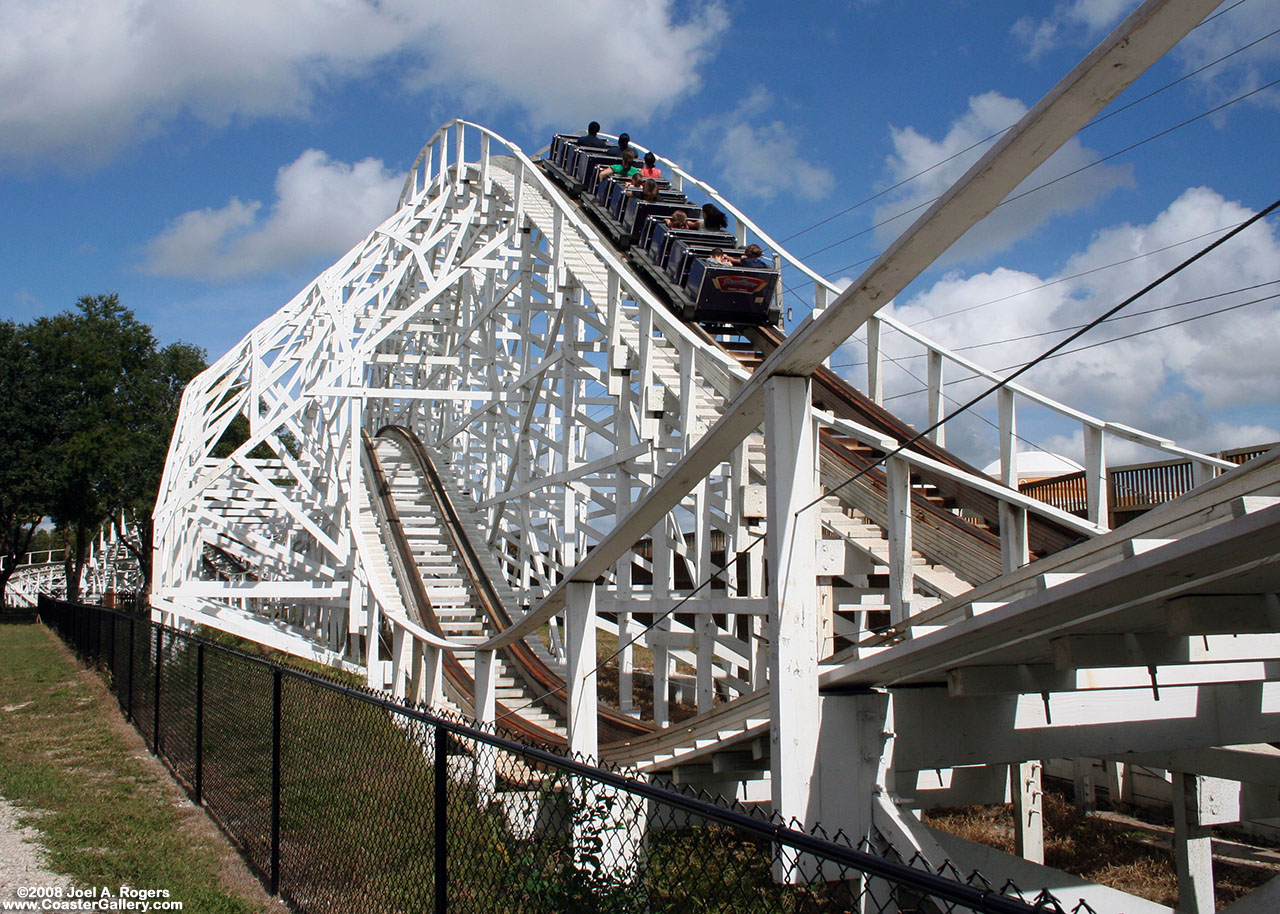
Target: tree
<point>24,450</point>
<point>147,411</point>
<point>113,398</point>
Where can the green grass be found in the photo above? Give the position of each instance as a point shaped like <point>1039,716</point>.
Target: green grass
<point>103,816</point>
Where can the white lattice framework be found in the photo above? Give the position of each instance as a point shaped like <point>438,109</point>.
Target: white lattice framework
<point>591,432</point>
<point>488,317</point>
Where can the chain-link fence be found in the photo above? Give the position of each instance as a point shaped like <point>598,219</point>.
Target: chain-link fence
<point>346,801</point>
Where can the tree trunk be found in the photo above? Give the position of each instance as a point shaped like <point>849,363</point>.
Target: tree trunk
<point>73,564</point>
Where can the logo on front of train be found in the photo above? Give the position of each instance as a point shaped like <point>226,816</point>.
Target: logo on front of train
<point>740,285</point>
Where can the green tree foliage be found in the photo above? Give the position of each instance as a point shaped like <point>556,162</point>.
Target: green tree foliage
<point>108,397</point>
<point>24,450</point>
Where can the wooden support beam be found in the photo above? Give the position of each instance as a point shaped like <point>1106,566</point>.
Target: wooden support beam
<point>1024,678</point>
<point>1146,649</point>
<point>1225,614</point>
<point>1192,848</point>
<point>1027,788</point>
<point>1256,763</point>
<point>793,595</point>
<point>935,730</point>
<point>485,711</point>
<point>901,580</point>
<point>580,638</point>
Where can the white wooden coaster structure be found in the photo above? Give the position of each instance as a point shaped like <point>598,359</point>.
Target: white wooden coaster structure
<point>606,450</point>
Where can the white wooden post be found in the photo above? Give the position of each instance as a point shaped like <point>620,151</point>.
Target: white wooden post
<point>706,645</point>
<point>901,583</point>
<point>1028,810</point>
<point>1202,472</point>
<point>580,633</point>
<point>855,754</point>
<point>875,378</point>
<point>626,663</point>
<point>401,660</point>
<point>793,595</point>
<point>372,658</point>
<point>821,295</point>
<point>485,711</point>
<point>1014,551</point>
<point>430,676</point>
<point>937,402</point>
<point>1192,849</point>
<point>1095,477</point>
<point>460,157</point>
<point>1085,785</point>
<point>661,558</point>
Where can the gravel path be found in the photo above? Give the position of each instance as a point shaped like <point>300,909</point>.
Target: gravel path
<point>21,856</point>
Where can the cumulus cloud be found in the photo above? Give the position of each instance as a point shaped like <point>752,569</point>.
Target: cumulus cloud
<point>760,157</point>
<point>1237,30</point>
<point>563,61</point>
<point>1208,383</point>
<point>1070,23</point>
<point>322,207</point>
<point>990,113</point>
<point>82,79</point>
<point>1078,23</point>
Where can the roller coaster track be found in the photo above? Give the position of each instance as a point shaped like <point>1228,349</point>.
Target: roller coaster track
<point>487,426</point>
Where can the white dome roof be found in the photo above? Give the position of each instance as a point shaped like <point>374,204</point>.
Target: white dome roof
<point>1036,465</point>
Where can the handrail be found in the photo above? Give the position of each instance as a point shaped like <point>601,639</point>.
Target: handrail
<point>987,486</point>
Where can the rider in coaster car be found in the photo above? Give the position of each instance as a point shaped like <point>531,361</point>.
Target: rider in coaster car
<point>626,170</point>
<point>753,256</point>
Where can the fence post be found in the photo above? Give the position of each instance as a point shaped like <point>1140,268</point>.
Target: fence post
<point>132,650</point>
<point>275,780</point>
<point>155,710</point>
<point>199,773</point>
<point>111,656</point>
<point>441,819</point>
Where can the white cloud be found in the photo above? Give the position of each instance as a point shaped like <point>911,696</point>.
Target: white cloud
<point>1210,383</point>
<point>567,61</point>
<point>1071,23</point>
<point>988,114</point>
<point>322,207</point>
<point>762,159</point>
<point>1252,67</point>
<point>1078,23</point>
<point>82,79</point>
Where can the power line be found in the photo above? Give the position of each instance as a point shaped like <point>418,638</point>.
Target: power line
<point>1042,333</point>
<point>1095,121</point>
<point>1050,182</point>
<point>1056,347</point>
<point>1114,339</point>
<point>1062,279</point>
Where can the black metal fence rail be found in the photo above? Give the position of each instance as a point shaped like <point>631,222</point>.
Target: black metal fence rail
<point>345,801</point>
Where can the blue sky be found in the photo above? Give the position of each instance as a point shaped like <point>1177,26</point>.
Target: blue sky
<point>206,160</point>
